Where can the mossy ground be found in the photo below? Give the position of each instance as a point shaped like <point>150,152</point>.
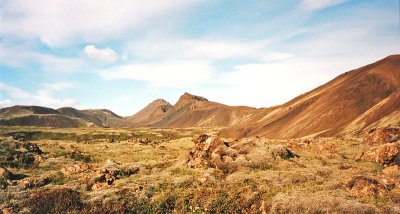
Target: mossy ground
<point>165,184</point>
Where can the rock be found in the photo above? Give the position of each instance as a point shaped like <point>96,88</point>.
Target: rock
<point>32,147</point>
<point>75,169</point>
<point>328,147</point>
<point>386,154</point>
<point>393,171</point>
<point>366,186</point>
<point>5,173</point>
<point>382,135</point>
<point>279,151</point>
<point>31,182</point>
<point>106,175</point>
<point>38,159</point>
<point>212,152</point>
<point>8,210</point>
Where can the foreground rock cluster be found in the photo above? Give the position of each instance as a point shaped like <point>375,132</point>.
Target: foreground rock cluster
<point>386,149</point>
<point>212,152</point>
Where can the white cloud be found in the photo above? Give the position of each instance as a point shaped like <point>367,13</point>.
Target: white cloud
<point>206,49</point>
<point>320,4</point>
<point>175,74</point>
<point>21,56</point>
<point>43,97</point>
<point>62,22</point>
<point>13,91</point>
<point>266,84</point>
<point>5,103</point>
<point>102,54</point>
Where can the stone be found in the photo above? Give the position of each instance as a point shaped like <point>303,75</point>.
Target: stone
<point>386,154</point>
<point>5,173</point>
<point>382,135</point>
<point>212,152</point>
<point>31,182</point>
<point>75,169</point>
<point>366,186</point>
<point>393,171</point>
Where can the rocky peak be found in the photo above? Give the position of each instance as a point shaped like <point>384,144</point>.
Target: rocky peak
<point>188,99</point>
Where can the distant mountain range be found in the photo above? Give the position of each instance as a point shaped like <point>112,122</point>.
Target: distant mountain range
<point>66,117</point>
<point>352,102</point>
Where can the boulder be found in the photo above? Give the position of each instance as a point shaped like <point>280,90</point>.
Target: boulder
<point>5,173</point>
<point>393,171</point>
<point>382,135</point>
<point>386,154</point>
<point>31,182</point>
<point>212,152</point>
<point>366,186</point>
<point>32,147</point>
<point>75,169</point>
<point>107,174</point>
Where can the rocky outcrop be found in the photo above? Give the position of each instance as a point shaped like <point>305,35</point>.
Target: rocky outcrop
<point>5,173</point>
<point>382,135</point>
<point>386,154</point>
<point>212,152</point>
<point>106,175</point>
<point>366,186</point>
<point>76,169</point>
<point>33,182</point>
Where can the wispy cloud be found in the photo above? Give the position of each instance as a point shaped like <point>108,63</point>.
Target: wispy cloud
<point>23,56</point>
<point>170,47</point>
<point>43,96</point>
<point>320,4</point>
<point>5,103</point>
<point>102,54</point>
<point>63,22</point>
<point>173,74</point>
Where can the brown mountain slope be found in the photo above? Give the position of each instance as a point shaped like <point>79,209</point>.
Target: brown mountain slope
<point>66,117</point>
<point>108,118</point>
<point>191,111</point>
<point>153,112</point>
<point>347,104</point>
<point>39,116</point>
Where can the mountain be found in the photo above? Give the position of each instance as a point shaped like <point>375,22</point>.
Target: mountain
<point>108,118</point>
<point>153,112</point>
<point>39,116</point>
<point>350,103</point>
<point>66,117</point>
<point>193,111</point>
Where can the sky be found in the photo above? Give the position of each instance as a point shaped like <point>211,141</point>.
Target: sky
<point>121,55</point>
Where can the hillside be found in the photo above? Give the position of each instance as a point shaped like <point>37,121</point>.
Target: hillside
<point>153,112</point>
<point>65,117</point>
<point>194,111</point>
<point>350,103</point>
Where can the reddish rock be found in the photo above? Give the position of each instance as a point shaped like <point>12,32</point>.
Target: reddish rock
<point>366,186</point>
<point>75,169</point>
<point>5,173</point>
<point>392,171</point>
<point>212,152</point>
<point>386,154</point>
<point>382,135</point>
<point>31,182</point>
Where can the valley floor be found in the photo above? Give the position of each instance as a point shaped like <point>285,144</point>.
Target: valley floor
<point>93,170</point>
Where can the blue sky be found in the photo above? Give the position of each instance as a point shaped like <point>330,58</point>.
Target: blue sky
<point>123,54</point>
